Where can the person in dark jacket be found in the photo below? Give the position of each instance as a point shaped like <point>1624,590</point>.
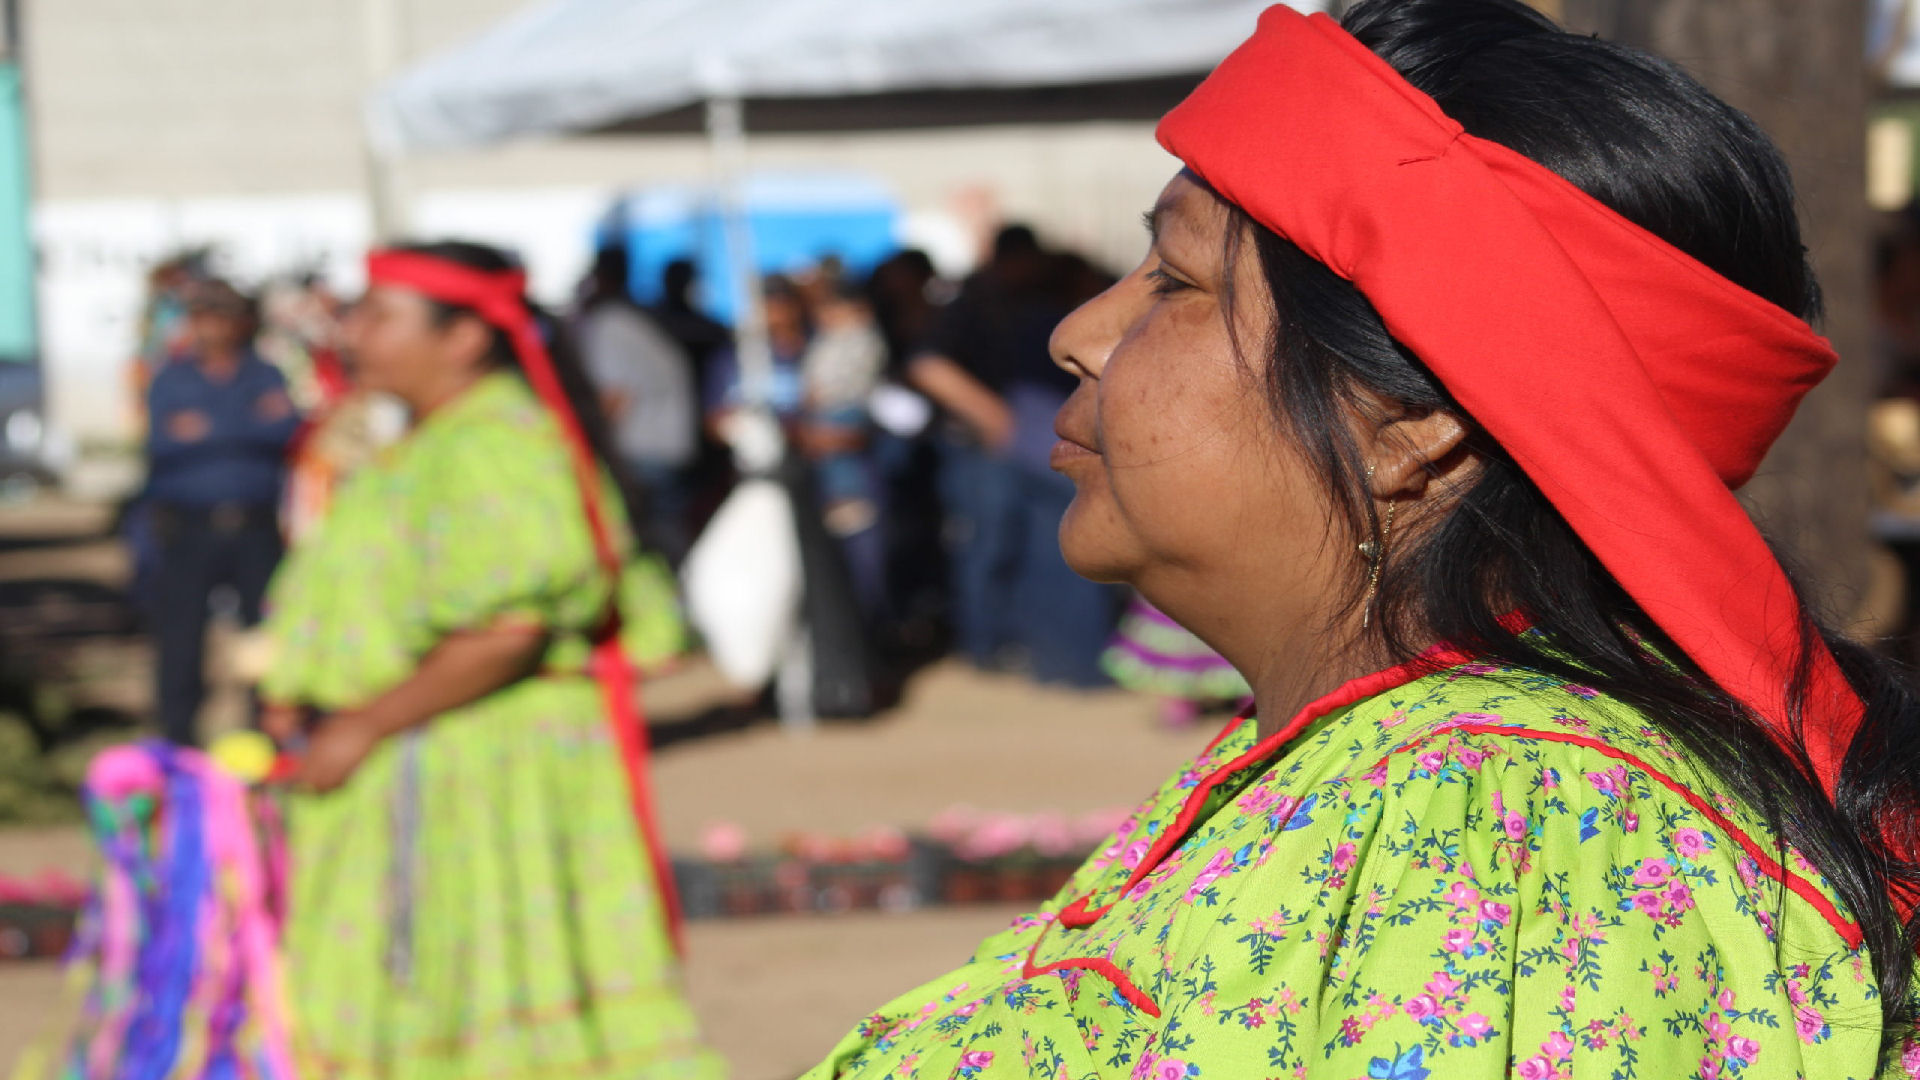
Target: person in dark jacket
<point>220,423</point>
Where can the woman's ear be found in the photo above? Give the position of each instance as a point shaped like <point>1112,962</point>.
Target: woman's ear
<point>1410,450</point>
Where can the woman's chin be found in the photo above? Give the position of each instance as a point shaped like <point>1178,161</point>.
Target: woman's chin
<point>1092,551</point>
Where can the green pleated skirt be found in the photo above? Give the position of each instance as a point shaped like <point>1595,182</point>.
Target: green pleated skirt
<point>477,902</point>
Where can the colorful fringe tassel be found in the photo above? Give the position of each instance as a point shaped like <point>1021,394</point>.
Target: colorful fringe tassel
<point>181,938</point>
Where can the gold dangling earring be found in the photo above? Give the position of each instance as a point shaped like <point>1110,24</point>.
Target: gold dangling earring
<point>1376,555</point>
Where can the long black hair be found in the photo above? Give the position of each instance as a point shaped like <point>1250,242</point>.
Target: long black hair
<point>1642,136</point>
<point>582,395</point>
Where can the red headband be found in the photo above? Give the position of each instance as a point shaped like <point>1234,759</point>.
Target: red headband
<point>1635,386</point>
<point>499,299</point>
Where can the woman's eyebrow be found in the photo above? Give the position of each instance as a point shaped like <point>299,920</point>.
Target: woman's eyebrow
<point>1156,219</point>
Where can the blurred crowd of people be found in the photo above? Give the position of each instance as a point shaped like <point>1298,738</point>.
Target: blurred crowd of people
<point>917,414</point>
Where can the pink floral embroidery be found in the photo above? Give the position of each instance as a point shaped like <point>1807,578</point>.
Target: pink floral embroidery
<point>1612,782</point>
<point>1810,1025</point>
<point>1216,867</point>
<point>1258,800</point>
<point>1652,872</point>
<point>1690,843</point>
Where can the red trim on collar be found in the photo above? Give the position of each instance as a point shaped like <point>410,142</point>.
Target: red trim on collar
<point>1106,969</point>
<point>1848,929</point>
<point>1434,660</point>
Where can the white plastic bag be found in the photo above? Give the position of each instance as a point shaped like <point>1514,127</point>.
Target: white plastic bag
<point>743,576</point>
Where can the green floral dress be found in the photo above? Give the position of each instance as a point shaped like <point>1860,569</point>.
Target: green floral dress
<point>1460,874</point>
<point>477,901</point>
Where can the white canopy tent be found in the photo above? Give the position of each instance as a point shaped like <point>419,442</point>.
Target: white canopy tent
<point>574,65</point>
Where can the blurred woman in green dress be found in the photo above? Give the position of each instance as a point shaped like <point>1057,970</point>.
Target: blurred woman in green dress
<point>476,887</point>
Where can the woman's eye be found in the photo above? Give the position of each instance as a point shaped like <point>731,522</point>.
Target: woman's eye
<point>1164,283</point>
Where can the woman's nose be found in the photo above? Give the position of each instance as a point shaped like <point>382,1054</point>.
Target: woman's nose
<point>1082,342</point>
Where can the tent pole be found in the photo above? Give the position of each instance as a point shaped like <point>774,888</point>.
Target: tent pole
<point>727,141</point>
<point>381,27</point>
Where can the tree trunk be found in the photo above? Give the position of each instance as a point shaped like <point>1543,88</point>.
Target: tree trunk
<point>1800,69</point>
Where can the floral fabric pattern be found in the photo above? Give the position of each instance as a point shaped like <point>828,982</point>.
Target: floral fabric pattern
<point>1479,872</point>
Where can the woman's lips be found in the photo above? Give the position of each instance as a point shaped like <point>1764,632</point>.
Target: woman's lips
<point>1066,452</point>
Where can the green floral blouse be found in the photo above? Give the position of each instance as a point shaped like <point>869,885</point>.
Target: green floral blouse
<point>473,519</point>
<point>1469,872</point>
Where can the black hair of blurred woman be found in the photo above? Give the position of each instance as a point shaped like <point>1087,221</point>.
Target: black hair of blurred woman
<point>609,278</point>
<point>1015,241</point>
<point>582,396</point>
<point>676,284</point>
<point>897,289</point>
<point>1020,264</point>
<point>1642,136</point>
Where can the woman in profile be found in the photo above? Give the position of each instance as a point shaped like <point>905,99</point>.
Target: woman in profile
<point>475,886</point>
<point>1425,409</point>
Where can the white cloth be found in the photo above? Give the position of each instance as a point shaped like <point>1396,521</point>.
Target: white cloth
<point>743,583</point>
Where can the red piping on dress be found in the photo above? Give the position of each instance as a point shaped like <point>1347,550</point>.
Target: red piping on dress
<point>1797,884</point>
<point>1106,969</point>
<point>1078,914</point>
<point>1431,662</point>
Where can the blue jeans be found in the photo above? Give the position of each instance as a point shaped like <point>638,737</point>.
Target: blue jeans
<point>664,493</point>
<point>1010,584</point>
<point>981,492</point>
<point>1064,619</point>
<point>201,549</point>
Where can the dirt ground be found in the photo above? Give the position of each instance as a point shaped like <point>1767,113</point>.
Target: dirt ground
<point>774,993</point>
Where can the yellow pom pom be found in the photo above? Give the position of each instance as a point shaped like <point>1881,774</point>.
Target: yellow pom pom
<point>244,755</point>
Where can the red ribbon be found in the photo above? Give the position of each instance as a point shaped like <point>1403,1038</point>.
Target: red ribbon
<point>499,299</point>
<point>1635,386</point>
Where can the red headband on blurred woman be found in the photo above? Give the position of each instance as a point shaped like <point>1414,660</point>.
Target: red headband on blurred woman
<point>1636,387</point>
<point>499,299</point>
